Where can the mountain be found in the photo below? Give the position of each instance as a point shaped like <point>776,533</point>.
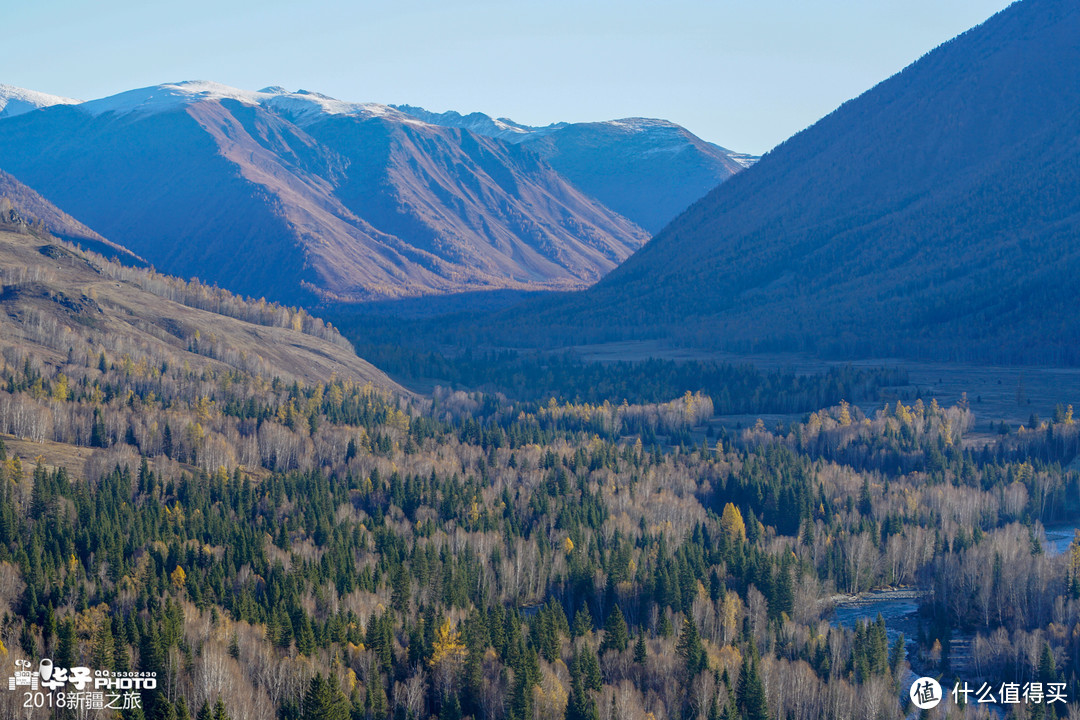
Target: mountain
<point>645,169</point>
<point>936,215</point>
<point>32,208</point>
<point>16,101</point>
<point>304,198</point>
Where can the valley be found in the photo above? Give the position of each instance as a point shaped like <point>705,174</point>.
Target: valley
<point>314,409</point>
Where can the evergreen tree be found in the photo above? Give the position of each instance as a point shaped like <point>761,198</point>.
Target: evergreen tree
<point>896,656</point>
<point>583,623</point>
<point>690,648</point>
<point>375,700</point>
<point>750,691</point>
<point>324,700</point>
<point>103,646</point>
<point>219,710</point>
<point>616,636</point>
<point>66,644</point>
<point>98,434</point>
<point>1047,666</point>
<point>641,652</point>
<point>580,705</point>
<point>664,628</point>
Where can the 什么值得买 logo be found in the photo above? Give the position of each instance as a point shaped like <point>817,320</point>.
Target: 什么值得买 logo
<point>925,693</point>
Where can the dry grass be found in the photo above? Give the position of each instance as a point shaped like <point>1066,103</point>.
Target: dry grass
<point>116,314</point>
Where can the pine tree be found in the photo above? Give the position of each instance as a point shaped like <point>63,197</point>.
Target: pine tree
<point>583,623</point>
<point>616,636</point>
<point>590,670</point>
<point>375,700</point>
<point>1047,666</point>
<point>641,652</point>
<point>98,434</point>
<point>305,639</point>
<point>879,639</point>
<point>324,700</point>
<point>66,645</point>
<point>690,649</point>
<point>664,628</point>
<point>896,656</point>
<point>750,691</point>
<point>103,646</point>
<point>219,710</point>
<point>580,705</point>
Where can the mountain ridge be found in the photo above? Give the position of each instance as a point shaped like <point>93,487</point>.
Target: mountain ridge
<point>931,216</point>
<point>646,169</point>
<point>293,180</point>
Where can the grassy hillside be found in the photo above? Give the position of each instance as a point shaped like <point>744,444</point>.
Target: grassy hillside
<point>61,304</point>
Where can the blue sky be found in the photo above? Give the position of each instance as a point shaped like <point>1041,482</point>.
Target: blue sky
<point>744,74</point>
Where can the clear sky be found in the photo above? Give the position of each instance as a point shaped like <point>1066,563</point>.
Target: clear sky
<point>745,74</point>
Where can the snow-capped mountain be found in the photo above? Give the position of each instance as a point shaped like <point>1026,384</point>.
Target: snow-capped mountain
<point>302,197</point>
<point>297,106</point>
<point>16,100</point>
<point>646,169</point>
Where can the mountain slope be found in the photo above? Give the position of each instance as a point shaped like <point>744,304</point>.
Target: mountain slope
<point>937,214</point>
<point>645,169</point>
<point>302,198</point>
<point>57,302</point>
<point>33,208</point>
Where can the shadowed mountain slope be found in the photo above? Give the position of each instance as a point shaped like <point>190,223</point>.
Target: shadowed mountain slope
<point>938,214</point>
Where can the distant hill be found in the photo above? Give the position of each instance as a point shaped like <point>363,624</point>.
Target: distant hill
<point>304,198</point>
<point>57,302</point>
<point>936,215</point>
<point>645,169</point>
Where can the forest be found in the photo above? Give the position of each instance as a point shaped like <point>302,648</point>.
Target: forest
<point>539,538</point>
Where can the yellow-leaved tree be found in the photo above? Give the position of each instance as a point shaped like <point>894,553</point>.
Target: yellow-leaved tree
<point>731,521</point>
<point>447,645</point>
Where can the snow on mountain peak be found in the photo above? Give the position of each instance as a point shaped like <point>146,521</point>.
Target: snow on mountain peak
<point>300,106</point>
<point>479,123</point>
<point>16,100</point>
<point>640,124</point>
<point>158,98</point>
